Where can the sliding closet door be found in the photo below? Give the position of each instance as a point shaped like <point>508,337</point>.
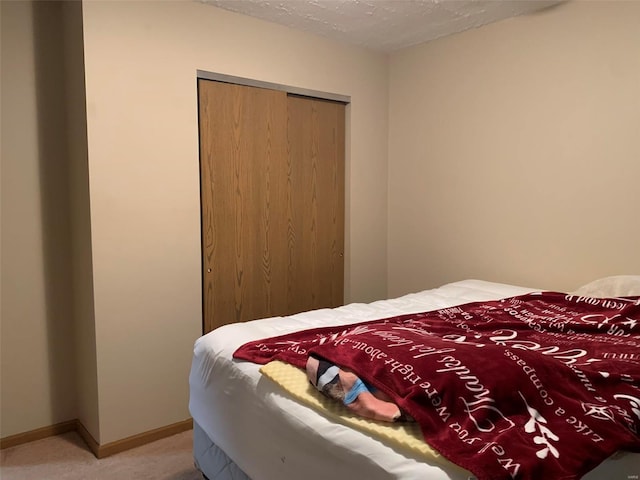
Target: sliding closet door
<point>272,198</point>
<point>243,185</point>
<point>316,203</point>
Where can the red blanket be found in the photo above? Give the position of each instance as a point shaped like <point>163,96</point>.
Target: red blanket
<point>539,386</point>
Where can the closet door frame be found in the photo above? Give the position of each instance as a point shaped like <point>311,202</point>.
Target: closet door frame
<point>248,82</point>
<point>311,94</point>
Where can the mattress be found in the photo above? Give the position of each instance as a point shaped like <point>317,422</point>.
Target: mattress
<point>270,435</point>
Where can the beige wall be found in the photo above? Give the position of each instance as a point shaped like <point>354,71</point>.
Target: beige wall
<point>38,369</point>
<point>513,152</point>
<point>129,207</point>
<point>141,60</point>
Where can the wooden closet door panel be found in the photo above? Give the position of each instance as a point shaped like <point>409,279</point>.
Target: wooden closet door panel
<point>315,203</point>
<point>244,169</point>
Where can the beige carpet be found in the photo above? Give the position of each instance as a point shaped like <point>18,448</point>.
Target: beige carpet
<point>66,457</point>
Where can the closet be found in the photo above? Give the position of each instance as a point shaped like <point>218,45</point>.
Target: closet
<point>272,202</point>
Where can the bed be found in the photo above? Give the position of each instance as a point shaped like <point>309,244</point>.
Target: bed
<point>247,426</point>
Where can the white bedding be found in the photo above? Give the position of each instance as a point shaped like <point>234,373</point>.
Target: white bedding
<point>272,437</point>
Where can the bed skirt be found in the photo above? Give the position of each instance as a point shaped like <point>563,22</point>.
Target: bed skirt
<point>211,460</point>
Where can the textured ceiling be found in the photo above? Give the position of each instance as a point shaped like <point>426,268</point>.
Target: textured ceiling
<point>382,25</point>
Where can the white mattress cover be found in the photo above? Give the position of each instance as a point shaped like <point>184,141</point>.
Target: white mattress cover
<point>273,437</point>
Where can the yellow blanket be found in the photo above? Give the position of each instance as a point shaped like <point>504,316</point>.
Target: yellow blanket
<point>405,434</point>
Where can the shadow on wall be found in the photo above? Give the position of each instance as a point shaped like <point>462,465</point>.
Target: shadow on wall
<point>548,6</point>
<point>55,204</point>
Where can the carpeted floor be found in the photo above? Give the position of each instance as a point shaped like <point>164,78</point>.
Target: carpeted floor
<point>66,457</point>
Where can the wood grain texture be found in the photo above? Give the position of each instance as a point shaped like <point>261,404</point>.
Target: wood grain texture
<point>315,203</point>
<point>243,168</point>
<point>272,194</point>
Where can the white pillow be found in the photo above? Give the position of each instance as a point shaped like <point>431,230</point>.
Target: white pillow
<point>615,286</point>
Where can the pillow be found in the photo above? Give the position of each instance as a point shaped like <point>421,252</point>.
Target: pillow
<point>615,286</point>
